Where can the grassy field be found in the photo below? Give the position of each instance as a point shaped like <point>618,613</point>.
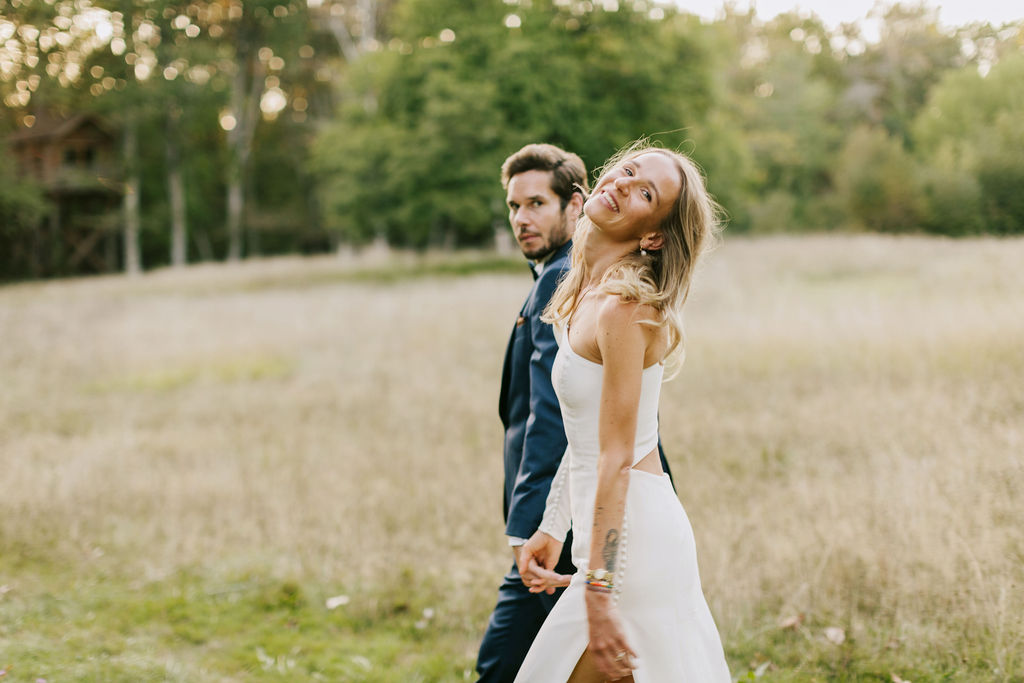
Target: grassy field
<point>291,469</point>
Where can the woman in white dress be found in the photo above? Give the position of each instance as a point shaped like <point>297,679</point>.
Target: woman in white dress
<point>634,610</point>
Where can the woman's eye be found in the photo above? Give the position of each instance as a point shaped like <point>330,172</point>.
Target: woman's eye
<point>646,195</point>
<point>629,171</point>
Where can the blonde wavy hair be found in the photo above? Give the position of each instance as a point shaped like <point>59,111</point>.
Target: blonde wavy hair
<point>661,278</point>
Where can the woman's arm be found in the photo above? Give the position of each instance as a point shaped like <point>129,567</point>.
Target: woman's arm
<point>557,518</point>
<point>623,343</point>
<point>538,556</point>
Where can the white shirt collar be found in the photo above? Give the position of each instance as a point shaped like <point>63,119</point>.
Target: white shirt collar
<point>538,266</point>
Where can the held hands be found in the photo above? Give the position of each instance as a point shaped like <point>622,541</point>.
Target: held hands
<point>611,654</point>
<point>536,561</point>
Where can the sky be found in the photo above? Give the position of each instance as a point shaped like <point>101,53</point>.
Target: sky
<point>834,12</point>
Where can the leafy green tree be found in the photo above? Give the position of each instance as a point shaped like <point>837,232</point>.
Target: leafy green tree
<point>973,127</point>
<point>22,209</point>
<point>952,197</point>
<point>1000,173</point>
<point>877,181</point>
<point>778,122</point>
<point>428,121</point>
<point>911,55</point>
<point>423,173</point>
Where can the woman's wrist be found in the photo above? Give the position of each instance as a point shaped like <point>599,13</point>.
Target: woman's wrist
<point>598,605</point>
<point>600,580</point>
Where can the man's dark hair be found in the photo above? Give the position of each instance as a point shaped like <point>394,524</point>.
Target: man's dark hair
<point>568,174</point>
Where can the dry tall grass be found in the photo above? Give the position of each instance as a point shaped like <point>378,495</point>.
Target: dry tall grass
<point>847,434</point>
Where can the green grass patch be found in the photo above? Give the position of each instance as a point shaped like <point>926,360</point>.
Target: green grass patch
<point>198,625</point>
<point>194,626</point>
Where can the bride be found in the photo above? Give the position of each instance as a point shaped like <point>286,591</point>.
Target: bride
<point>634,610</point>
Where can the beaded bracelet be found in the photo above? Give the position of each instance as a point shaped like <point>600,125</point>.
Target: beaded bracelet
<point>600,580</point>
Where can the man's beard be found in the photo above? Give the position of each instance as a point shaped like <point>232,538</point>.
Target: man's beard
<point>554,243</point>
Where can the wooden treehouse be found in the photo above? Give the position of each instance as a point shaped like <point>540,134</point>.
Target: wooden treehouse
<point>75,160</point>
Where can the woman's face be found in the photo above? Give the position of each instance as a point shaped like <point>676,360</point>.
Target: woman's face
<point>633,197</point>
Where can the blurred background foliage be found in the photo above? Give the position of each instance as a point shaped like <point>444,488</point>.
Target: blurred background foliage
<point>246,129</point>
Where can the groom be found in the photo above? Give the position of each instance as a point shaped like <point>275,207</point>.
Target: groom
<point>544,188</point>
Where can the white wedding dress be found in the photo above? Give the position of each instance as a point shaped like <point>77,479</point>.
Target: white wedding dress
<point>657,587</point>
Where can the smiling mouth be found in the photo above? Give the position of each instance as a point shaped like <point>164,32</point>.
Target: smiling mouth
<point>610,201</point>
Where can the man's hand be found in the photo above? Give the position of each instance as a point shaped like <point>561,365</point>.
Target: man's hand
<point>536,561</point>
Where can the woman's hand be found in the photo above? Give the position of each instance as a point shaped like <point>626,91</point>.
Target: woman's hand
<point>611,653</point>
<point>536,561</point>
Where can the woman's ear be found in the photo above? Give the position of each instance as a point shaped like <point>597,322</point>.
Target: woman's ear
<point>652,241</point>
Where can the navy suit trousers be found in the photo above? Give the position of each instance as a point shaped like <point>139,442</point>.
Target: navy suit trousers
<point>514,624</point>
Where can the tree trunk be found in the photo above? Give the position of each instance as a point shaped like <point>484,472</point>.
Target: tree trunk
<point>176,191</point>
<point>235,208</point>
<point>235,172</point>
<point>56,241</point>
<point>246,89</point>
<point>132,253</point>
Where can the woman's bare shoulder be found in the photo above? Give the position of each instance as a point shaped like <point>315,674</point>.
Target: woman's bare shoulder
<point>630,322</point>
<point>614,312</point>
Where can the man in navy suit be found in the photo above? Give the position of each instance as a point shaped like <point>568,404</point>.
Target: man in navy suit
<point>544,188</point>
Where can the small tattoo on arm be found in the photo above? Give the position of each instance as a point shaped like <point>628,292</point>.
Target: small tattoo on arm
<point>611,549</point>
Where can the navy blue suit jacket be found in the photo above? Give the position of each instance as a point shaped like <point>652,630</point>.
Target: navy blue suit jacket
<point>534,435</point>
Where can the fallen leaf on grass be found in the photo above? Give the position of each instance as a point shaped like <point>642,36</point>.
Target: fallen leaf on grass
<point>266,661</point>
<point>428,614</point>
<point>758,666</point>
<point>336,601</point>
<point>897,679</point>
<point>835,635</point>
<point>792,622</point>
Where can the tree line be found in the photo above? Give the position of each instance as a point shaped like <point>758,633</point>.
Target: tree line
<point>270,126</point>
